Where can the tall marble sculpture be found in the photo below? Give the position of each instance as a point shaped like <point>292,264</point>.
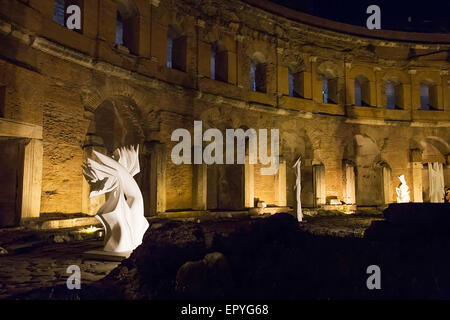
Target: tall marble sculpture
<point>298,188</point>
<point>122,215</point>
<point>436,182</point>
<point>402,190</point>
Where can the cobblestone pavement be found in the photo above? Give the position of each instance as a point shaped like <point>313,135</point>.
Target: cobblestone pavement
<point>45,266</point>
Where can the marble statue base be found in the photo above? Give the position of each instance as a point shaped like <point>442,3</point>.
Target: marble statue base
<point>102,255</point>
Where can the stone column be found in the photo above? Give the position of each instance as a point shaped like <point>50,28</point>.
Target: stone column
<point>350,183</point>
<point>416,166</point>
<point>199,186</point>
<point>249,184</point>
<point>280,184</point>
<point>387,184</point>
<point>32,179</point>
<point>319,184</point>
<point>156,195</point>
<point>213,187</point>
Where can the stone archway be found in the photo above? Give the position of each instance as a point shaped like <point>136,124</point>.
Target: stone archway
<point>113,123</point>
<point>364,154</point>
<point>295,145</point>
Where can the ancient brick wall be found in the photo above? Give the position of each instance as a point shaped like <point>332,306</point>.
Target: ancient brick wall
<point>57,78</point>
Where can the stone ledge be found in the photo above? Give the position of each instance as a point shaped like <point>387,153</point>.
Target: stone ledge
<point>270,210</point>
<point>200,215</point>
<point>49,224</point>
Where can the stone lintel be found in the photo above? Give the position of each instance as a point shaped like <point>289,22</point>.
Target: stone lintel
<point>17,129</point>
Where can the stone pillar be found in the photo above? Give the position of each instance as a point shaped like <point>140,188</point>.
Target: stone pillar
<point>199,186</point>
<point>350,183</point>
<point>156,195</point>
<point>249,184</point>
<point>213,187</point>
<point>417,166</point>
<point>280,184</point>
<point>319,184</point>
<point>91,205</point>
<point>32,179</point>
<point>387,184</point>
<point>204,59</point>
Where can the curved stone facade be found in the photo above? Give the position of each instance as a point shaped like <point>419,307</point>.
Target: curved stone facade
<point>66,93</point>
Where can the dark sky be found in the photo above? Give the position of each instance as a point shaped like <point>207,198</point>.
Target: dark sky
<point>425,15</point>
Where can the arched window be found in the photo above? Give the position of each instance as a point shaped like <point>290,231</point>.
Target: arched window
<point>127,26</point>
<point>295,82</point>
<point>362,91</point>
<point>329,88</point>
<point>219,62</point>
<point>176,49</point>
<point>390,95</point>
<point>428,96</point>
<point>59,12</point>
<point>394,95</point>
<point>119,29</point>
<point>169,48</point>
<point>258,73</point>
<point>325,88</point>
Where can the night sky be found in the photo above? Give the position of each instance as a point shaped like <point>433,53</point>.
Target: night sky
<point>424,15</point>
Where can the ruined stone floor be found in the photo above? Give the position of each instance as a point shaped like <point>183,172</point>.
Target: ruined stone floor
<point>340,225</point>
<point>38,259</point>
<point>46,265</point>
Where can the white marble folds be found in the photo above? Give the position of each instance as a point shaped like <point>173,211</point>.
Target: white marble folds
<point>402,190</point>
<point>122,215</point>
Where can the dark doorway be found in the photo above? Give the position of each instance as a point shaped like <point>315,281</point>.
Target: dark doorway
<point>11,171</point>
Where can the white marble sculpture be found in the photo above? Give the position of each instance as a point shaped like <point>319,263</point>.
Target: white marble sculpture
<point>402,190</point>
<point>122,215</point>
<point>298,188</point>
<point>436,182</point>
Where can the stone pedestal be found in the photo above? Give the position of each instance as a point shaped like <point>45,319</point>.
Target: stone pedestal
<point>102,255</point>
